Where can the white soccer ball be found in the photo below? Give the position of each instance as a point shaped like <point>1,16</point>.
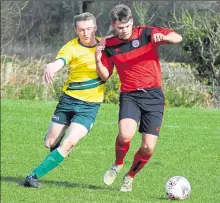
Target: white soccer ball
<point>178,187</point>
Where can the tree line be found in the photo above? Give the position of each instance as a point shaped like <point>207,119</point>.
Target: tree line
<point>47,25</point>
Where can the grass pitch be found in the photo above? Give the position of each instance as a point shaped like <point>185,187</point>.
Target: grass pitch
<point>189,145</point>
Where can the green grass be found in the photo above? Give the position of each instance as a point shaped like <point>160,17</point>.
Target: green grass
<point>189,145</point>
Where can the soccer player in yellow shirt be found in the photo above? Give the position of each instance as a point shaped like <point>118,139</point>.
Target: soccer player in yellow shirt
<point>78,106</point>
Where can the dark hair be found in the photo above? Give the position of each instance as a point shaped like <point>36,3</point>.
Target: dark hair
<point>121,13</point>
<point>83,17</point>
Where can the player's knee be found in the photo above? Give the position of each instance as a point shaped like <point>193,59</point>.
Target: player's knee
<point>148,149</point>
<point>125,135</point>
<point>49,143</point>
<point>49,140</point>
<point>124,138</point>
<point>46,144</point>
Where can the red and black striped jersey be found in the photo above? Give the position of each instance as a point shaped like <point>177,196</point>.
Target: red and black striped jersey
<point>136,59</point>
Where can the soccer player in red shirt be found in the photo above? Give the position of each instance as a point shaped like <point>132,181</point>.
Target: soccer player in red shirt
<point>134,53</point>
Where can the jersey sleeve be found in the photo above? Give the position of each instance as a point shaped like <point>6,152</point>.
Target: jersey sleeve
<point>107,62</point>
<point>66,54</point>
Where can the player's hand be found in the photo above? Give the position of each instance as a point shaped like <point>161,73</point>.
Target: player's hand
<point>103,40</point>
<point>49,73</point>
<point>158,37</point>
<point>98,53</point>
<point>100,47</point>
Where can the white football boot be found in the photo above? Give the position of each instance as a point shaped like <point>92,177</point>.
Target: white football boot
<point>126,184</point>
<point>111,174</point>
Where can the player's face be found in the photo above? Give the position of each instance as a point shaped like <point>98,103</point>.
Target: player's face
<point>123,30</point>
<point>86,31</point>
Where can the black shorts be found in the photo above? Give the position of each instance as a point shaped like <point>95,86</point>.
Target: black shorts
<point>145,106</point>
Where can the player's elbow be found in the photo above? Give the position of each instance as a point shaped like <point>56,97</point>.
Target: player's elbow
<point>103,74</point>
<point>104,77</point>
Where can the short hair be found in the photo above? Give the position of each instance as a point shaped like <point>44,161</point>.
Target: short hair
<point>121,13</point>
<point>83,17</point>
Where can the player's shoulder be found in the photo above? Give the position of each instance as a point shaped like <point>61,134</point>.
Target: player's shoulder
<point>71,44</point>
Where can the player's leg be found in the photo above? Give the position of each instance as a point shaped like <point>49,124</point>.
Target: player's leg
<point>59,122</point>
<point>55,158</point>
<point>143,154</point>
<point>151,102</point>
<point>80,125</point>
<point>129,115</point>
<point>149,127</point>
<point>75,133</point>
<point>54,135</point>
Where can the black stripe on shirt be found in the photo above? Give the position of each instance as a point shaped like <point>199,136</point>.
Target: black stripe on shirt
<point>130,45</point>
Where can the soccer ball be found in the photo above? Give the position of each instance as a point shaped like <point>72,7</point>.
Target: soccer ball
<point>178,187</point>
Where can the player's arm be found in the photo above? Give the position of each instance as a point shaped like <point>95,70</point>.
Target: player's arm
<point>104,66</point>
<point>64,56</point>
<point>51,69</point>
<point>101,69</point>
<point>173,38</point>
<point>165,35</point>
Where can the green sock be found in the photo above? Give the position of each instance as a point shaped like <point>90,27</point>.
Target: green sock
<point>53,160</point>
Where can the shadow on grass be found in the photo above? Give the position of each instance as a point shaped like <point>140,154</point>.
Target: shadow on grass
<point>20,180</point>
<point>162,199</point>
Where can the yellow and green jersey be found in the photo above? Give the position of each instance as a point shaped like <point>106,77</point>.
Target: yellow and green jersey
<point>83,82</point>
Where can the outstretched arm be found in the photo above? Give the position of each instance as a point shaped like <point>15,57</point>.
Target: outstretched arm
<point>51,69</point>
<point>172,38</point>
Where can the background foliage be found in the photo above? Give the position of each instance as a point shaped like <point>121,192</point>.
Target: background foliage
<point>32,32</point>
